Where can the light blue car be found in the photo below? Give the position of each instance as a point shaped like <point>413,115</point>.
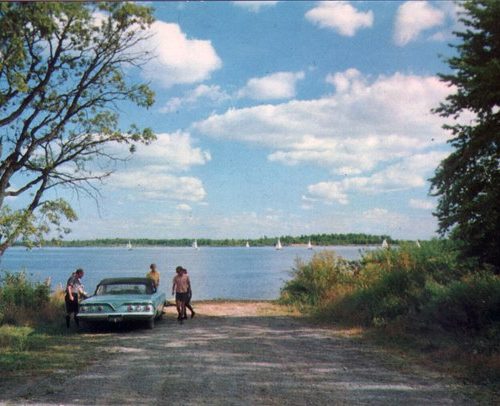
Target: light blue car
<point>123,299</point>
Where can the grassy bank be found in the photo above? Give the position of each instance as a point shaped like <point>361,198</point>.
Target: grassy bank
<point>420,301</point>
<point>34,340</point>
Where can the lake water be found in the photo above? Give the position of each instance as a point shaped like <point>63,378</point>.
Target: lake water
<point>216,273</point>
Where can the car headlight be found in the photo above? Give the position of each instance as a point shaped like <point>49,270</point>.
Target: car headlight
<point>139,307</point>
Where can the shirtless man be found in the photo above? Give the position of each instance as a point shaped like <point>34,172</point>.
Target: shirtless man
<point>181,285</point>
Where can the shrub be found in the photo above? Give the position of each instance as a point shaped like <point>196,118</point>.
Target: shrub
<point>312,282</point>
<point>472,303</point>
<point>23,302</point>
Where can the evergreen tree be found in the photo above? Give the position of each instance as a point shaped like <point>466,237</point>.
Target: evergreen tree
<point>468,181</point>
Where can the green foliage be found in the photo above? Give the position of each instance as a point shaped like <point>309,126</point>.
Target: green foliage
<point>468,180</point>
<point>63,76</point>
<point>426,285</point>
<point>472,303</point>
<point>312,281</point>
<point>22,300</point>
<point>33,227</point>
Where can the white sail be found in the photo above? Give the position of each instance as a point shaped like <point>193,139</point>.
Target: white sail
<point>195,244</point>
<point>247,245</point>
<point>418,244</point>
<point>278,245</point>
<point>309,245</point>
<point>385,244</point>
<point>129,245</point>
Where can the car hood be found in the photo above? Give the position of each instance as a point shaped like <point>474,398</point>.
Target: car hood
<point>118,299</point>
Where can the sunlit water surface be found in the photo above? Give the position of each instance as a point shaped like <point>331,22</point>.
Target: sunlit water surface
<point>216,273</point>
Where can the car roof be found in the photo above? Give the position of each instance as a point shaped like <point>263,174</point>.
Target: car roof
<point>113,281</point>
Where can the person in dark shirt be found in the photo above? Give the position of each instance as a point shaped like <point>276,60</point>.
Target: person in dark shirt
<point>74,290</point>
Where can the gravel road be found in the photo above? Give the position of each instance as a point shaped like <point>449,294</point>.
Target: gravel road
<point>241,354</point>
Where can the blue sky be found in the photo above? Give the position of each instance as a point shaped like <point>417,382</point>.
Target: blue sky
<point>284,118</point>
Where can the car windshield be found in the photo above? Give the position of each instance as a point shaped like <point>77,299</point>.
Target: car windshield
<point>123,289</point>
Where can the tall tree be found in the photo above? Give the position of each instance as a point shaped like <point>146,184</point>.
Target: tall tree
<point>63,75</point>
<point>468,181</point>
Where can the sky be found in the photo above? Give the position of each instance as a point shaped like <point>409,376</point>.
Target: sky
<point>284,118</point>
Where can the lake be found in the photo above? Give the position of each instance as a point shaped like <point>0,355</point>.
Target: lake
<point>216,273</point>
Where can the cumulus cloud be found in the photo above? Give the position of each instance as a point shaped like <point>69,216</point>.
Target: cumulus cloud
<point>153,170</point>
<point>254,6</point>
<point>279,85</point>
<point>184,207</point>
<point>340,16</point>
<point>379,218</point>
<point>212,93</point>
<point>350,132</point>
<point>422,204</point>
<point>328,191</point>
<point>171,151</point>
<point>414,17</point>
<point>153,184</point>
<point>178,59</point>
<point>409,172</point>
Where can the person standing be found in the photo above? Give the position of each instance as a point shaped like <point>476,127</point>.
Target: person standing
<point>74,289</point>
<point>154,275</point>
<point>180,287</point>
<point>188,297</point>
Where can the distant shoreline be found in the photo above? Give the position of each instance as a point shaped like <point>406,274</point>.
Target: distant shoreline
<point>265,241</point>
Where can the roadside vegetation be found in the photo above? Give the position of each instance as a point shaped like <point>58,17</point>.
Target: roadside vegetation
<point>33,337</point>
<point>420,299</point>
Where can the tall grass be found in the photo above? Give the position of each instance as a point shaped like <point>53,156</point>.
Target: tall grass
<point>311,283</point>
<point>426,285</point>
<point>27,303</point>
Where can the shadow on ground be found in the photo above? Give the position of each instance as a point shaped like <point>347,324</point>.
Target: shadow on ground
<point>221,360</point>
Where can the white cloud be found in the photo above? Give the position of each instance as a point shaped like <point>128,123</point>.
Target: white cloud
<point>211,93</point>
<point>340,16</point>
<point>152,171</point>
<point>414,17</point>
<point>279,85</point>
<point>254,6</point>
<point>172,152</point>
<point>407,173</point>
<point>184,207</point>
<point>151,184</point>
<point>350,132</point>
<point>329,191</point>
<point>385,221</point>
<point>178,59</point>
<point>422,204</point>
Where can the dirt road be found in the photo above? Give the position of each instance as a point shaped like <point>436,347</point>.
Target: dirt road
<point>242,354</point>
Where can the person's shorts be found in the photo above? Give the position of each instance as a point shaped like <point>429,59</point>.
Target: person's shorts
<point>71,305</point>
<point>181,296</point>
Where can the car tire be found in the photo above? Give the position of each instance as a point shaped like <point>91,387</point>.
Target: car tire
<point>151,324</point>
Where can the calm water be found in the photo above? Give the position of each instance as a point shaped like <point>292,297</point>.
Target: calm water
<point>216,273</point>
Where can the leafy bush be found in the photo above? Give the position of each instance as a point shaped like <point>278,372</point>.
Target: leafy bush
<point>472,303</point>
<point>425,285</point>
<point>312,281</point>
<point>23,302</point>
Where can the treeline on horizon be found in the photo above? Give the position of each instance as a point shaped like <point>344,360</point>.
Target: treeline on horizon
<point>316,239</point>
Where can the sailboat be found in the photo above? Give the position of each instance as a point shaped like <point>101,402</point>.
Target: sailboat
<point>247,245</point>
<point>385,244</point>
<point>278,245</point>
<point>195,245</point>
<point>309,245</point>
<point>129,245</point>
<point>417,243</point>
